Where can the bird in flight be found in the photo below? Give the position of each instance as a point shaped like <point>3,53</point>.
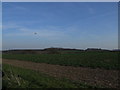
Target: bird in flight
<point>35,33</point>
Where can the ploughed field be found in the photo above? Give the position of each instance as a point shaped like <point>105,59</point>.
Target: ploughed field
<point>93,77</point>
<point>93,59</point>
<point>16,77</point>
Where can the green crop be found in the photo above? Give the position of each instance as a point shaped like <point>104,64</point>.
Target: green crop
<point>96,59</point>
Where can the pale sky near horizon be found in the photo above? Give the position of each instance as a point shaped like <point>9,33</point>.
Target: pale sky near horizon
<point>68,25</point>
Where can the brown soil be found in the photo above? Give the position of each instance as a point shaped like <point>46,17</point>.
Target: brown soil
<point>100,77</point>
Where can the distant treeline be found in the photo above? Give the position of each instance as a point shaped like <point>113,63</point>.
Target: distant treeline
<point>52,50</point>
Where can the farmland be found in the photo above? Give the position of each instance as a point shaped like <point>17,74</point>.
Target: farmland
<point>60,69</point>
<point>93,59</point>
<point>26,78</point>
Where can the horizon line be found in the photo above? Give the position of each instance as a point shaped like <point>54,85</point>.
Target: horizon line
<point>58,48</point>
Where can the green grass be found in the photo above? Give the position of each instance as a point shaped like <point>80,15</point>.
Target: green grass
<point>16,77</point>
<point>94,59</point>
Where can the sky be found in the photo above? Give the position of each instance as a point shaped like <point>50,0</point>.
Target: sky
<point>80,25</point>
<point>60,0</point>
<point>0,26</point>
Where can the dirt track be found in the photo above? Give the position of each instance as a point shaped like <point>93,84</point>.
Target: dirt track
<point>106,78</point>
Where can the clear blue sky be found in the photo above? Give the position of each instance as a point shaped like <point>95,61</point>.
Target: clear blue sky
<point>0,26</point>
<point>68,25</point>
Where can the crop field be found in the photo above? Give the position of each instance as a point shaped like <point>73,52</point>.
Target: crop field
<point>73,69</point>
<point>15,77</point>
<point>93,59</point>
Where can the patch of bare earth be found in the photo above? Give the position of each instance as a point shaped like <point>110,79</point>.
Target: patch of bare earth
<point>100,77</point>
